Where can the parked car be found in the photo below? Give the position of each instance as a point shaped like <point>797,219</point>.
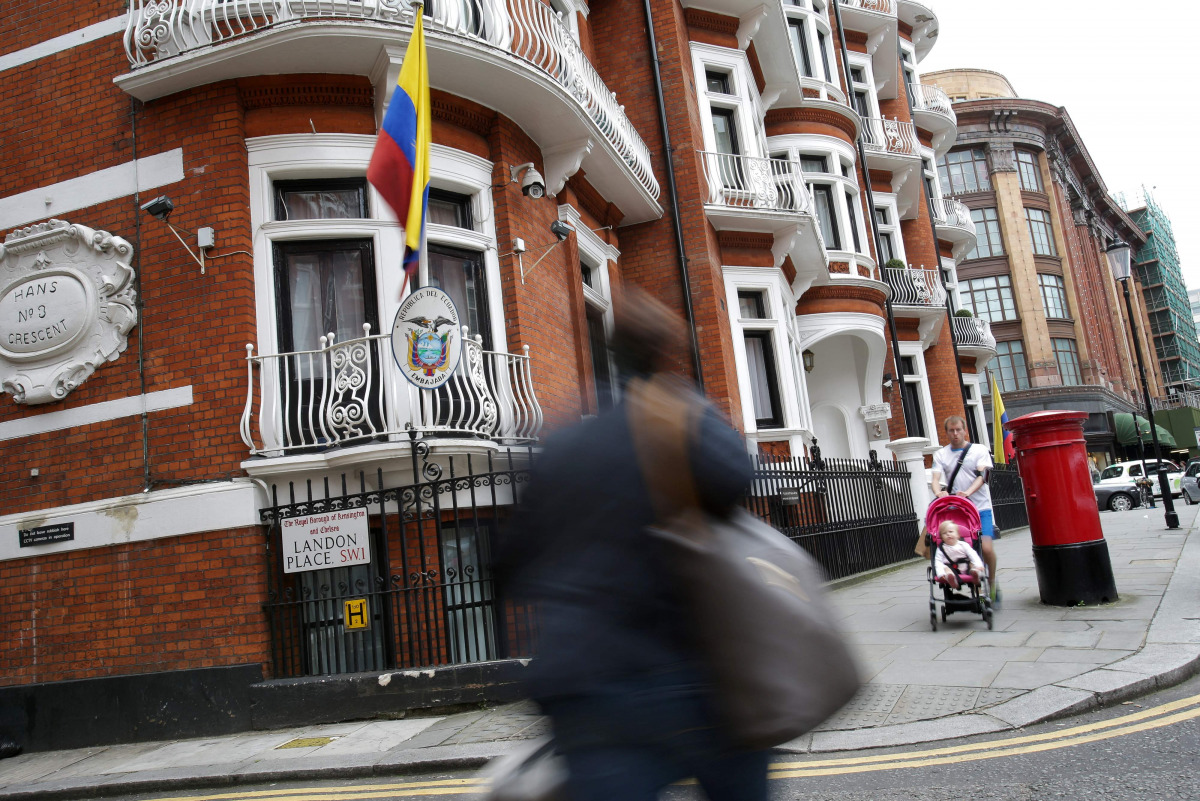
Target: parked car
<point>1128,472</point>
<point>1117,497</point>
<point>1189,485</point>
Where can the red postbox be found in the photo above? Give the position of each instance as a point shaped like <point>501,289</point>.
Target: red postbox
<point>1069,551</point>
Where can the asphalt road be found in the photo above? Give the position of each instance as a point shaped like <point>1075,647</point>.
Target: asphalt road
<point>1144,749</point>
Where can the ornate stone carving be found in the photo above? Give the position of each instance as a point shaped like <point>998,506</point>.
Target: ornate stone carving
<point>1001,158</point>
<point>876,416</point>
<point>66,305</point>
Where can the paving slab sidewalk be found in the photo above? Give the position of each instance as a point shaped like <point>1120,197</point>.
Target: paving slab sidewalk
<point>1039,663</point>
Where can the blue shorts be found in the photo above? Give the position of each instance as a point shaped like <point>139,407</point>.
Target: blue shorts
<point>986,528</point>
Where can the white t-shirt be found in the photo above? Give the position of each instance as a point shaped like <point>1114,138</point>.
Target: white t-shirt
<point>978,460</point>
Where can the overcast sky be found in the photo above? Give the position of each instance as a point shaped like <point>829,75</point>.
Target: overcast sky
<point>1121,69</point>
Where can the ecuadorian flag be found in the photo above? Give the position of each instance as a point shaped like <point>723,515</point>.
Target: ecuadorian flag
<point>1002,439</point>
<point>399,168</point>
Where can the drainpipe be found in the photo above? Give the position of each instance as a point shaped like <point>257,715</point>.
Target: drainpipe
<point>897,364</point>
<point>681,252</point>
<point>141,301</point>
<point>962,388</point>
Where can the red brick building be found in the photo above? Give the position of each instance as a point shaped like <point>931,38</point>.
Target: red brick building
<point>226,362</point>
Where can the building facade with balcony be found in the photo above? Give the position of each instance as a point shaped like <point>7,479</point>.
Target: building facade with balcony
<point>1037,273</point>
<point>184,380</point>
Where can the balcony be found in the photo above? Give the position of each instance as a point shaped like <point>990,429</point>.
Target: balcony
<point>877,19</point>
<point>924,25</point>
<point>932,112</point>
<point>974,337</point>
<point>516,57</point>
<point>347,394</point>
<point>954,224</point>
<point>918,293</point>
<point>892,146</point>
<point>749,193</point>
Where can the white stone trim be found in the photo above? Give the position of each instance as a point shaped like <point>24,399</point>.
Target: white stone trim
<point>58,44</point>
<point>96,413</point>
<point>101,186</point>
<point>917,351</point>
<point>165,513</point>
<point>744,98</point>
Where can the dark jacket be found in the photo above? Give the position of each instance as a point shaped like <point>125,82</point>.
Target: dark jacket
<point>578,547</point>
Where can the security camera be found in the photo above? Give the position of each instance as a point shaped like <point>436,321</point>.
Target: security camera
<point>161,207</point>
<point>532,184</point>
<point>561,229</point>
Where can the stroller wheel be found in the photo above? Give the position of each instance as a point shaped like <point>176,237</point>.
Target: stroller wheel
<point>933,620</point>
<point>987,617</point>
<point>945,614</point>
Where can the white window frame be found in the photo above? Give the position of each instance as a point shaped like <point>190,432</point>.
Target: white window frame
<point>814,21</point>
<point>598,254</point>
<point>841,158</point>
<point>743,99</point>
<point>789,371</point>
<point>863,62</point>
<point>887,202</point>
<point>973,381</point>
<point>309,156</point>
<point>916,350</point>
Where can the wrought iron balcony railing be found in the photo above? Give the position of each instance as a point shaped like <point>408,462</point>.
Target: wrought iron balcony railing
<point>890,136</point>
<point>974,332</point>
<point>932,99</point>
<point>755,183</point>
<point>950,212</point>
<point>529,30</point>
<point>881,6</point>
<point>915,287</point>
<point>350,393</point>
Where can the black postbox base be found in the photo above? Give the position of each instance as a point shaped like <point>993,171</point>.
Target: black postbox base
<point>1080,573</point>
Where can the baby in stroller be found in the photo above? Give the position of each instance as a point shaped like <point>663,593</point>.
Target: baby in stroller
<point>957,580</point>
<point>955,558</point>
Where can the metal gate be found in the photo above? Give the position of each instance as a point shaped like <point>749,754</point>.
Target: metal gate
<point>427,595</point>
<point>1008,497</point>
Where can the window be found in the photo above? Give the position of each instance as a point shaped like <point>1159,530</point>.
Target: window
<point>459,273</point>
<point>826,215</point>
<point>725,131</point>
<point>1067,357</point>
<point>602,372</point>
<point>1029,172</point>
<point>965,171</point>
<point>971,393</point>
<point>1040,232</point>
<point>717,82</point>
<point>1009,368</point>
<point>809,163</point>
<point>987,235</point>
<point>823,46</point>
<point>860,92</point>
<point>764,387</point>
<point>1054,299</point>
<point>990,298</point>
<point>337,199</point>
<point>450,208</point>
<point>910,388</point>
<point>750,306</point>
<point>800,47</point>
<point>852,206</point>
<point>890,242</point>
<point>931,189</point>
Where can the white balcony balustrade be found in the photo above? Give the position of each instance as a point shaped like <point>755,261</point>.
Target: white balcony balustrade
<point>878,6</point>
<point>750,182</point>
<point>891,137</point>
<point>915,287</point>
<point>352,393</point>
<point>974,333</point>
<point>950,212</point>
<point>528,30</point>
<point>932,99</point>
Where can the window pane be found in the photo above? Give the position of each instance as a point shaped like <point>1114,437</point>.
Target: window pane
<point>1054,300</point>
<point>827,215</point>
<point>1027,169</point>
<point>450,208</point>
<point>1010,366</point>
<point>813,163</point>
<point>1067,357</point>
<point>750,305</point>
<point>327,295</point>
<point>717,82</point>
<point>987,234</point>
<point>338,199</point>
<point>724,131</point>
<point>1040,232</point>
<point>887,253</point>
<point>760,361</point>
<point>459,273</point>
<point>600,362</point>
<point>852,205</point>
<point>965,171</point>
<point>800,47</point>
<point>823,46</point>
<point>990,298</point>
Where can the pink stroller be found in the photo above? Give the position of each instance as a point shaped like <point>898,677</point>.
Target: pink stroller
<point>970,596</point>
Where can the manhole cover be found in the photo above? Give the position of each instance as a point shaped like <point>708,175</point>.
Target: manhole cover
<point>306,742</point>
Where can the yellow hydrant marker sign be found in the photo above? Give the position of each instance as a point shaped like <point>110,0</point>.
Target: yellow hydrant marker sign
<point>355,614</point>
<point>334,539</point>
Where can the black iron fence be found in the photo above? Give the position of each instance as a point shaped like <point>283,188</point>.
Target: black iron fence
<point>1008,497</point>
<point>851,515</point>
<point>366,578</point>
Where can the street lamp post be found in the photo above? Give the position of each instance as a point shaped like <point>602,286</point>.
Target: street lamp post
<point>1118,260</point>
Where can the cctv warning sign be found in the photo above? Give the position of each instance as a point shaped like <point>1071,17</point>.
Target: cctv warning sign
<point>317,542</point>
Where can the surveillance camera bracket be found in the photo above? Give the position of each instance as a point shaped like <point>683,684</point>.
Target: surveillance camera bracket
<point>199,259</point>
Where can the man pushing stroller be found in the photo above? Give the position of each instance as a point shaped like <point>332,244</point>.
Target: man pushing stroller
<point>967,465</point>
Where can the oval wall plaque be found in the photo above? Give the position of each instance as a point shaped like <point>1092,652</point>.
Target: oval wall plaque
<point>43,313</point>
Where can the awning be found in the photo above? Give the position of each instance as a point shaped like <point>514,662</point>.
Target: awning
<point>1127,436</point>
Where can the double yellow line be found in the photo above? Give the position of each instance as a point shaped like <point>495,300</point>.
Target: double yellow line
<point>1145,720</point>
